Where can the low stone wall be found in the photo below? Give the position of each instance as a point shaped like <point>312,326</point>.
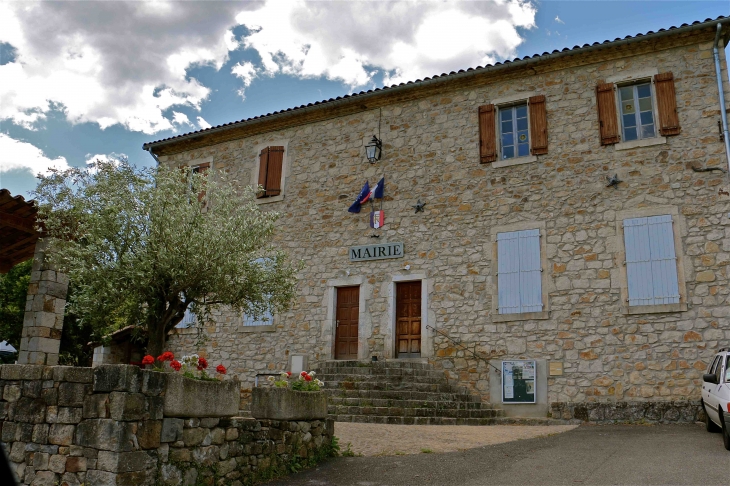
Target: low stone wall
<point>677,411</point>
<point>64,426</point>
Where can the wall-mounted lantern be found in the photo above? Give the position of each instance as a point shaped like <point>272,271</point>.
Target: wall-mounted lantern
<point>372,149</point>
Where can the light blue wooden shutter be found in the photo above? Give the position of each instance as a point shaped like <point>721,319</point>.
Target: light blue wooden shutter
<point>651,262</point>
<point>519,279</point>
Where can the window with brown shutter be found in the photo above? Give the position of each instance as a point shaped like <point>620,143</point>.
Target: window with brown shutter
<point>538,125</point>
<point>271,162</point>
<point>487,135</point>
<point>666,104</point>
<point>607,116</point>
<point>201,169</point>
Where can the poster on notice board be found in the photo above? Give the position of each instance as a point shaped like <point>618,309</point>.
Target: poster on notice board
<point>518,381</point>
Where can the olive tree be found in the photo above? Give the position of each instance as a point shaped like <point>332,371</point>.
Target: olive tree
<point>143,245</point>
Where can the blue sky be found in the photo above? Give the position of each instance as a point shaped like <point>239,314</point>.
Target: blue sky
<point>80,80</point>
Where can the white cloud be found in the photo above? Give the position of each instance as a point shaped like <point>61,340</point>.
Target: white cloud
<point>18,155</point>
<point>351,41</point>
<point>180,118</point>
<point>559,20</point>
<point>246,72</point>
<point>202,123</point>
<point>110,62</point>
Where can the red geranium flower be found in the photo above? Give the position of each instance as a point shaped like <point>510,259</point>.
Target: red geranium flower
<point>148,360</point>
<point>221,369</point>
<point>166,356</point>
<point>175,365</point>
<point>307,378</point>
<point>303,374</point>
<point>202,364</point>
<point>288,374</point>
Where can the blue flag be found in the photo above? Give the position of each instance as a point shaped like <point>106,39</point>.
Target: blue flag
<point>364,192</point>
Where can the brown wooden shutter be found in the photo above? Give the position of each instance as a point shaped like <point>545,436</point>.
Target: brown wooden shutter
<point>666,104</point>
<point>202,169</point>
<point>273,174</point>
<point>538,125</point>
<point>263,168</point>
<point>487,135</point>
<point>607,117</point>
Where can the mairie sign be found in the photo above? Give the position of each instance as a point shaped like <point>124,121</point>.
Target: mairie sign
<point>376,252</point>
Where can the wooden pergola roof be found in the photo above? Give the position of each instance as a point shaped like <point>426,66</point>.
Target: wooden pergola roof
<point>18,235</point>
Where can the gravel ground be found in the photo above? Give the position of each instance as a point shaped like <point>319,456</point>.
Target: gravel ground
<point>395,440</point>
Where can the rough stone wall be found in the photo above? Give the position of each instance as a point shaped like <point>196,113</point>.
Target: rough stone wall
<point>105,426</point>
<point>431,152</point>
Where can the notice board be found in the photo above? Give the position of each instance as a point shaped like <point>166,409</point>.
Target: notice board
<point>518,381</point>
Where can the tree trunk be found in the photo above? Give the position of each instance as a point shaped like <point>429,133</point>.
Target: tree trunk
<point>156,335</point>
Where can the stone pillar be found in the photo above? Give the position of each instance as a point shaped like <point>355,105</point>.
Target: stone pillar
<point>44,307</point>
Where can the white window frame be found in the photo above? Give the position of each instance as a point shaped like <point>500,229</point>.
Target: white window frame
<point>504,103</point>
<point>545,286</point>
<point>513,108</point>
<point>258,325</point>
<point>284,169</point>
<point>634,85</point>
<point>678,229</point>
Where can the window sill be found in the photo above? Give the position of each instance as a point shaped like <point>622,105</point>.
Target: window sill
<point>514,161</point>
<point>267,200</point>
<point>271,328</point>
<point>527,316</point>
<point>654,309</point>
<point>647,142</point>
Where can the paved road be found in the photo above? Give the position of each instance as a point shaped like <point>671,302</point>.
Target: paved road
<point>588,455</point>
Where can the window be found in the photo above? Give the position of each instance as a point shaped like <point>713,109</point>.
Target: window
<point>267,319</point>
<point>514,132</point>
<point>270,174</point>
<point>519,274</point>
<point>638,117</point>
<point>522,129</point>
<point>637,113</point>
<point>651,264</point>
<point>727,370</point>
<point>189,319</point>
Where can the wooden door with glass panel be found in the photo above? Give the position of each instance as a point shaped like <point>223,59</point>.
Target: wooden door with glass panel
<point>408,319</point>
<point>348,311</point>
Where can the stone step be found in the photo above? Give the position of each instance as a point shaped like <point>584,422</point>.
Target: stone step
<point>414,412</point>
<point>396,420</point>
<point>383,379</point>
<point>393,386</point>
<point>402,395</point>
<point>380,372</point>
<point>438,405</point>
<point>416,365</point>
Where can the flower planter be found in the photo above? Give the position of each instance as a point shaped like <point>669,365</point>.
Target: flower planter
<point>278,403</point>
<point>187,397</point>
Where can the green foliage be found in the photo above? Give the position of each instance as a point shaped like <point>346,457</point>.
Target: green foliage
<point>295,463</point>
<point>13,291</point>
<point>142,246</point>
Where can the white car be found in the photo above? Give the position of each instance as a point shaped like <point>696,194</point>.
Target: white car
<point>716,395</point>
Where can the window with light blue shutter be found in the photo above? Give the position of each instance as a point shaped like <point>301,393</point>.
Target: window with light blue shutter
<point>519,272</point>
<point>651,262</point>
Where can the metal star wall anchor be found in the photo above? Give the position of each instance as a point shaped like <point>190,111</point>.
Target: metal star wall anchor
<point>419,206</point>
<point>613,181</point>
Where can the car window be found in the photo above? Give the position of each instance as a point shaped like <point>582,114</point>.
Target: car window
<point>713,367</point>
<point>718,370</point>
<point>727,369</point>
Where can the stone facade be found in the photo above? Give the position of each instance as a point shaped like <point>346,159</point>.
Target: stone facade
<point>107,426</point>
<point>430,152</point>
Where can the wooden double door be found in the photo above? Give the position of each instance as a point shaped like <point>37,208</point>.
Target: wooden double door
<point>408,319</point>
<point>347,317</point>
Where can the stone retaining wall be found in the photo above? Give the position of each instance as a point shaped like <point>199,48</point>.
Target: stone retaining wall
<point>106,426</point>
<point>677,411</point>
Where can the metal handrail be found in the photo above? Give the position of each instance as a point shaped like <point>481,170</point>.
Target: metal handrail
<point>457,343</point>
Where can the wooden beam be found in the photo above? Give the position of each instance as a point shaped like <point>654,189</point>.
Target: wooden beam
<point>22,224</point>
<point>25,241</point>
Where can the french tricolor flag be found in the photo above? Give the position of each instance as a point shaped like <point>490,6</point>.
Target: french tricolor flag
<point>377,219</point>
<point>375,193</point>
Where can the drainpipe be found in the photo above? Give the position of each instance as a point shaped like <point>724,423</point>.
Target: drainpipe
<point>723,111</point>
<point>149,149</point>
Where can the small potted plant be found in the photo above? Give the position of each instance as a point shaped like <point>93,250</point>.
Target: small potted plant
<point>290,398</point>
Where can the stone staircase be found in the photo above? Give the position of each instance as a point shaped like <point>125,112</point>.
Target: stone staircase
<point>400,392</point>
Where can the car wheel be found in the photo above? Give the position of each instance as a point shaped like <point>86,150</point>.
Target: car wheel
<point>725,435</point>
<point>710,426</point>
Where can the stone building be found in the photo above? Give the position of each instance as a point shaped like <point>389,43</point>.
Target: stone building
<point>522,249</point>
